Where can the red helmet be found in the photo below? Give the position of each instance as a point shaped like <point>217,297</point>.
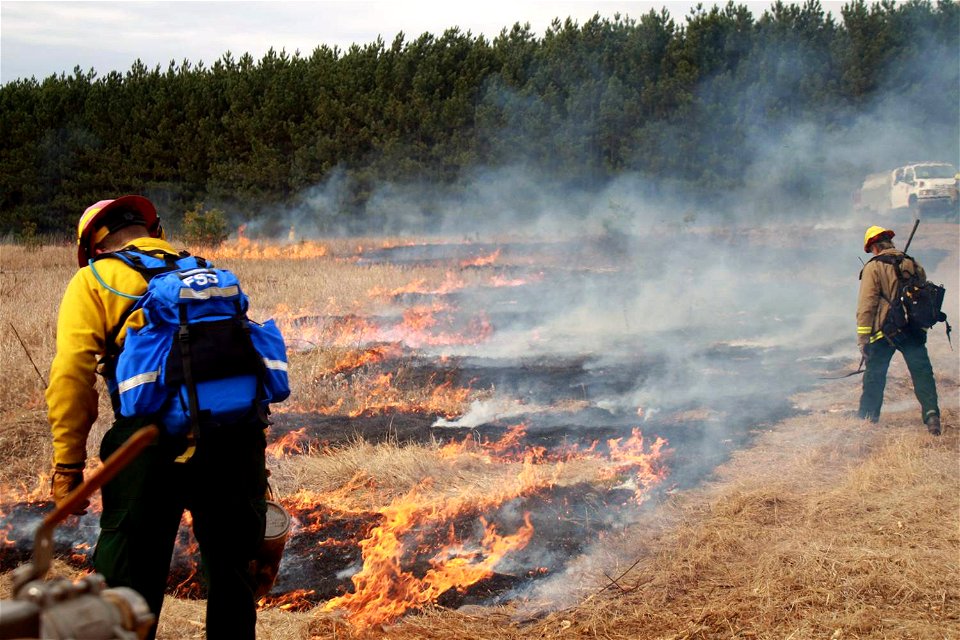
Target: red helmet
<point>95,225</point>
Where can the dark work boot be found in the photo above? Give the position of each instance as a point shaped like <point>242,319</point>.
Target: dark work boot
<point>933,424</point>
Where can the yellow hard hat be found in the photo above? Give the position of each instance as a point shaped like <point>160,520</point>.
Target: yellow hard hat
<point>95,223</point>
<point>875,234</point>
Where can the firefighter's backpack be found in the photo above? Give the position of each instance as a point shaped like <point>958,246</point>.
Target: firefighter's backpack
<point>918,305</point>
<point>198,360</point>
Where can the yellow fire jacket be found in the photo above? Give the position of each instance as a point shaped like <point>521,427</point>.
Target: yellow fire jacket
<point>88,314</point>
<point>878,283</point>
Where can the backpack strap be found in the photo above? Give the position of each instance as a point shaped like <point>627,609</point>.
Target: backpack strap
<point>107,364</point>
<point>133,257</point>
<point>891,260</point>
<point>183,337</point>
<point>891,305</point>
<point>887,259</point>
<point>163,261</point>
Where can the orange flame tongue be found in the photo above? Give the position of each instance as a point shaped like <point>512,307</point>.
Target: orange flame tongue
<point>384,590</point>
<point>460,572</point>
<point>630,456</point>
<point>296,441</point>
<point>296,600</point>
<point>481,261</point>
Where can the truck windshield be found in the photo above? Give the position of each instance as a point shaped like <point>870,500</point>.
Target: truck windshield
<point>934,171</point>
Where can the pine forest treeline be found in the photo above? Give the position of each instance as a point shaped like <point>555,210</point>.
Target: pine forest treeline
<point>675,101</point>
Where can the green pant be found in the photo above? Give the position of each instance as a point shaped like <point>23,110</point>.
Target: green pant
<point>878,354</point>
<point>223,486</point>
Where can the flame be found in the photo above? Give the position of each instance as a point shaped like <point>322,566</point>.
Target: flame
<point>313,509</point>
<point>454,449</point>
<point>296,600</point>
<point>511,448</point>
<point>419,545</point>
<point>379,394</point>
<point>384,589</point>
<point>419,319</point>
<point>245,249</point>
<point>350,329</point>
<point>629,456</point>
<point>433,325</point>
<point>81,552</point>
<point>354,359</point>
<point>187,550</point>
<point>451,282</point>
<point>291,442</point>
<point>481,261</point>
<point>502,281</point>
<point>386,586</point>
<point>623,457</point>
<point>5,540</point>
<point>510,440</point>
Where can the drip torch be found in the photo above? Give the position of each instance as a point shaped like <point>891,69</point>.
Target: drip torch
<point>60,609</point>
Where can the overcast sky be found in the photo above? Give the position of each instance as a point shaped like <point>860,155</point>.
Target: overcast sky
<point>43,38</point>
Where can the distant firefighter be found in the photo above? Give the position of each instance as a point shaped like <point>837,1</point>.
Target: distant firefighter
<point>879,336</point>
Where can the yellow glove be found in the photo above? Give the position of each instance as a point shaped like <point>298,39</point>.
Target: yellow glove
<point>66,478</point>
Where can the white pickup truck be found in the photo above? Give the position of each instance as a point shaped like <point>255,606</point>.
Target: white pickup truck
<point>919,188</point>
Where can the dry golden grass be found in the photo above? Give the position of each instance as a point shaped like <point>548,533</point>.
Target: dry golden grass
<point>372,474</point>
<point>363,476</point>
<point>32,283</point>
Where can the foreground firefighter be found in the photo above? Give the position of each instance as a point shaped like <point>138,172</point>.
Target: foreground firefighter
<point>205,378</point>
<point>881,331</point>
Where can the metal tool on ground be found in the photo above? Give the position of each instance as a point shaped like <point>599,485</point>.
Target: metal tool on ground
<point>859,370</point>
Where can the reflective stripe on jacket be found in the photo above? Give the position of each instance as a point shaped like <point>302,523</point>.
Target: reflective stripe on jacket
<point>878,284</point>
<point>88,314</point>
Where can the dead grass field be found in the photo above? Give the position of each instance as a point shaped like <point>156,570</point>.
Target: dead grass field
<point>824,527</point>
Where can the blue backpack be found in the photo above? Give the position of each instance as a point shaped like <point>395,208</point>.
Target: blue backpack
<point>198,360</point>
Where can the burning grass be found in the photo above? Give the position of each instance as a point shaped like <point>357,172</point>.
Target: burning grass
<point>866,546</point>
<point>823,527</point>
<point>826,528</point>
<point>439,518</point>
